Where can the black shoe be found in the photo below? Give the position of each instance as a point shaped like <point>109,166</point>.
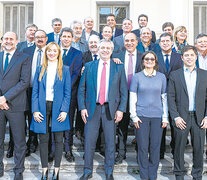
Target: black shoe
<point>119,159</point>
<point>55,176</point>
<point>109,177</point>
<point>134,141</point>
<point>69,156</point>
<point>45,176</point>
<point>10,152</point>
<point>1,174</point>
<point>162,155</point>
<point>27,152</point>
<point>86,176</point>
<point>51,157</point>
<point>18,176</point>
<point>102,153</point>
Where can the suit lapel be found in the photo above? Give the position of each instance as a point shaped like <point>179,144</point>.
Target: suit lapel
<point>197,81</point>
<point>1,62</point>
<point>182,78</point>
<point>69,57</point>
<point>95,73</point>
<point>172,61</point>
<point>162,62</point>
<point>56,79</point>
<point>112,67</point>
<point>12,61</point>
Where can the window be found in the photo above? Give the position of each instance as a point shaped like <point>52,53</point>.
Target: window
<point>200,18</point>
<point>120,11</point>
<point>16,17</point>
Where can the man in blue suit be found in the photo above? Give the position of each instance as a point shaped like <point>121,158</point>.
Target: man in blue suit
<point>15,69</point>
<point>102,99</point>
<point>168,61</point>
<point>72,58</point>
<point>55,35</point>
<point>30,32</point>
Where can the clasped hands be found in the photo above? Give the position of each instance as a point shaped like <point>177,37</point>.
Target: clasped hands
<point>3,104</point>
<point>38,117</point>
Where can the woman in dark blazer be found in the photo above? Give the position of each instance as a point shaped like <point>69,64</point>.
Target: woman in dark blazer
<point>50,104</point>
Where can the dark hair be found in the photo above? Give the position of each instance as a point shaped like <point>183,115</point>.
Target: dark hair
<point>167,24</point>
<point>187,48</point>
<point>56,20</point>
<point>42,31</point>
<point>66,29</point>
<point>31,25</point>
<point>200,36</point>
<point>156,67</point>
<point>143,15</point>
<point>110,15</point>
<point>165,35</point>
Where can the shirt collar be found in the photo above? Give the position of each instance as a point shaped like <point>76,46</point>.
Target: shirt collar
<point>43,49</point>
<point>169,54</point>
<point>133,54</point>
<point>187,70</point>
<point>101,61</point>
<point>149,75</point>
<point>10,53</point>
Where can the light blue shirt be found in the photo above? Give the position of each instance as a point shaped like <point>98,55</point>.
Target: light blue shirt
<point>190,79</point>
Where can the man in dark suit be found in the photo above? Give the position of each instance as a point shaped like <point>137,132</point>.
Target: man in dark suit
<point>187,102</point>
<point>14,79</point>
<point>168,61</point>
<point>130,44</point>
<point>36,53</point>
<point>30,32</point>
<point>143,21</point>
<point>73,58</point>
<point>119,40</point>
<point>88,30</point>
<point>102,99</point>
<point>106,33</point>
<point>55,35</point>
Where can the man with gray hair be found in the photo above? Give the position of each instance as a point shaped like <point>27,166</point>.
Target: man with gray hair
<point>55,35</point>
<point>102,99</point>
<point>78,42</point>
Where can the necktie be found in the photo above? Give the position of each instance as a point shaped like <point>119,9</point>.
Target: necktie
<point>6,61</point>
<point>39,58</point>
<point>64,54</point>
<point>30,44</point>
<point>102,91</point>
<point>130,70</point>
<point>95,56</point>
<point>57,38</point>
<point>167,64</point>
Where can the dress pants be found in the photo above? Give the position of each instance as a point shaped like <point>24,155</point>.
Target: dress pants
<point>44,140</point>
<point>197,140</point>
<point>148,138</point>
<point>17,124</point>
<point>91,131</point>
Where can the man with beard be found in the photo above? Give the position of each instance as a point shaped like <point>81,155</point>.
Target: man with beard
<point>36,53</point>
<point>78,42</point>
<point>14,79</point>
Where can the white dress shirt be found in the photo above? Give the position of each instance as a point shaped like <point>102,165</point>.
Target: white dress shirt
<point>126,62</point>
<point>10,56</point>
<point>202,61</point>
<point>98,57</point>
<point>100,67</point>
<point>62,51</point>
<point>169,56</point>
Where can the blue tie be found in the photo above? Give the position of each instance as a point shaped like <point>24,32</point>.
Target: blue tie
<point>167,64</point>
<point>64,54</point>
<point>39,58</point>
<point>6,62</point>
<point>95,57</point>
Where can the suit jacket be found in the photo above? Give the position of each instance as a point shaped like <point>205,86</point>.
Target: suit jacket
<point>118,32</point>
<point>14,82</point>
<point>121,56</point>
<point>152,47</point>
<point>92,32</point>
<point>117,93</point>
<point>22,45</point>
<point>51,38</point>
<point>83,45</point>
<point>178,101</point>
<point>175,63</point>
<point>137,32</point>
<point>118,44</point>
<point>30,51</point>
<point>61,101</point>
<point>87,57</point>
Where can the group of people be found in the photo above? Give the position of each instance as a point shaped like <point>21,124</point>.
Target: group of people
<point>104,80</point>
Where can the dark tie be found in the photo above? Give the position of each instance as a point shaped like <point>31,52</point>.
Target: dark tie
<point>30,44</point>
<point>6,62</point>
<point>64,54</point>
<point>95,57</point>
<point>39,57</point>
<point>130,70</point>
<point>102,91</point>
<point>167,64</point>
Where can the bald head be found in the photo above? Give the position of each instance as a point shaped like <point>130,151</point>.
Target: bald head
<point>10,41</point>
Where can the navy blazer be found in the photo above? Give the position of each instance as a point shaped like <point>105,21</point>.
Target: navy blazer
<point>137,32</point>
<point>61,101</point>
<point>118,32</point>
<point>117,93</point>
<point>30,51</point>
<point>175,63</point>
<point>22,45</point>
<point>118,44</point>
<point>152,47</point>
<point>51,38</point>
<point>14,82</point>
<point>92,32</point>
<point>87,57</point>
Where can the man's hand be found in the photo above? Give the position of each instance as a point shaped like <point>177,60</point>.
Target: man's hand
<point>118,116</point>
<point>82,70</point>
<point>38,117</point>
<point>2,100</point>
<point>204,123</point>
<point>164,124</point>
<point>117,61</point>
<point>84,115</point>
<point>4,106</point>
<point>136,124</point>
<point>62,116</point>
<point>180,123</point>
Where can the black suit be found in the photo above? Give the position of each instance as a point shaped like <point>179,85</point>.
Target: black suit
<point>178,103</point>
<point>13,85</point>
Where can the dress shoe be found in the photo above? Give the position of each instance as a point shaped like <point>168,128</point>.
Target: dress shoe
<point>51,157</point>
<point>1,174</point>
<point>27,152</point>
<point>162,155</point>
<point>55,176</point>
<point>102,153</point>
<point>45,176</point>
<point>18,176</point>
<point>119,159</point>
<point>86,176</point>
<point>10,151</point>
<point>69,156</point>
<point>109,177</point>
<point>134,141</point>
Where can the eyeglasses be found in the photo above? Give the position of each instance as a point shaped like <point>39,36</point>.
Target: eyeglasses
<point>40,37</point>
<point>151,59</point>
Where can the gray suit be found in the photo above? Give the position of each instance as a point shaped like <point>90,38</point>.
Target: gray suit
<point>13,85</point>
<point>119,44</point>
<point>178,102</point>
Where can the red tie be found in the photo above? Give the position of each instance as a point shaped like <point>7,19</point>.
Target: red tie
<point>102,91</point>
